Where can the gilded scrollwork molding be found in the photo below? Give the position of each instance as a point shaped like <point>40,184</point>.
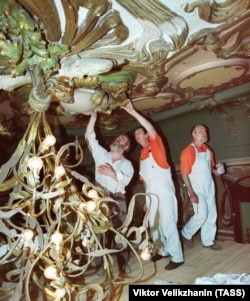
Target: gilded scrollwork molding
<point>75,33</point>
<point>163,31</point>
<point>225,41</point>
<point>218,12</point>
<point>138,49</point>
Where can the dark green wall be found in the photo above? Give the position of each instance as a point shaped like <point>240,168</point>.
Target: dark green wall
<point>229,138</point>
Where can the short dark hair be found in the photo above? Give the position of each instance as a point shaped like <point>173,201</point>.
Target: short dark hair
<point>198,124</point>
<point>141,127</point>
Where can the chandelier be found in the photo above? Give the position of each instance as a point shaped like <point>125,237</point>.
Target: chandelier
<point>53,220</point>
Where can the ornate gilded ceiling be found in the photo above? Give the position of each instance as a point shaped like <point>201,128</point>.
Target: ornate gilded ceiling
<point>67,57</point>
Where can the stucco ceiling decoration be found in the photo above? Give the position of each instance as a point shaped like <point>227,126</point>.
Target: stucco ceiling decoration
<point>211,77</point>
<point>167,56</point>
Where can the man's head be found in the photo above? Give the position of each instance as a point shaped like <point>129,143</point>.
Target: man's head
<point>120,144</point>
<point>199,133</point>
<point>141,136</point>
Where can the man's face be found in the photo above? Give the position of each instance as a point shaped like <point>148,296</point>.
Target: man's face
<point>120,144</point>
<point>141,137</point>
<point>200,134</point>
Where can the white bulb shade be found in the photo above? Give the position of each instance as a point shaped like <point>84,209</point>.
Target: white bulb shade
<point>47,143</point>
<point>49,140</point>
<point>35,164</point>
<point>60,293</point>
<point>92,193</point>
<point>50,273</point>
<point>83,103</point>
<point>85,241</point>
<point>145,254</point>
<point>91,206</point>
<point>59,172</point>
<point>57,238</point>
<point>28,234</point>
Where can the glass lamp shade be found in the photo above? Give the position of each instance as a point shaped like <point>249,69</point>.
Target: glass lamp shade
<point>51,273</point>
<point>60,293</point>
<point>49,140</point>
<point>92,193</point>
<point>27,237</point>
<point>145,254</point>
<point>57,238</point>
<point>35,164</point>
<point>85,100</point>
<point>91,206</point>
<point>28,234</point>
<point>59,172</point>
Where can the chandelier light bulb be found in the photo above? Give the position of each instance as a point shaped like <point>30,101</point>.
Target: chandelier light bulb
<point>85,241</point>
<point>92,194</point>
<point>60,293</point>
<point>145,254</point>
<point>28,234</point>
<point>27,237</point>
<point>49,141</point>
<point>50,273</point>
<point>59,172</point>
<point>35,164</point>
<point>57,239</point>
<point>91,206</point>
